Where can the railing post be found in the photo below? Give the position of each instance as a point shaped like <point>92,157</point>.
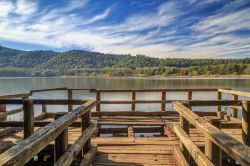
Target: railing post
<point>163,103</point>
<point>212,151</point>
<point>44,108</point>
<point>70,97</point>
<point>234,111</point>
<point>219,96</point>
<point>185,126</point>
<point>189,95</point>
<point>246,122</point>
<point>3,109</point>
<point>28,118</point>
<point>98,98</point>
<point>86,120</point>
<point>61,142</point>
<point>133,100</point>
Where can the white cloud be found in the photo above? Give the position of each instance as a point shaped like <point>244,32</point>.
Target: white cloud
<point>24,7</point>
<point>98,17</point>
<point>140,33</point>
<point>5,8</point>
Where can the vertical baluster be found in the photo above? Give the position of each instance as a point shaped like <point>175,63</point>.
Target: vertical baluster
<point>246,122</point>
<point>212,151</point>
<point>3,109</point>
<point>219,96</point>
<point>163,103</point>
<point>234,111</point>
<point>28,118</point>
<point>61,142</point>
<point>98,98</point>
<point>133,101</point>
<point>70,97</point>
<point>86,120</point>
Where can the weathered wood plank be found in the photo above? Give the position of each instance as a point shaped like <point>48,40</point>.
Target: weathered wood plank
<point>89,156</point>
<point>179,157</point>
<point>234,92</point>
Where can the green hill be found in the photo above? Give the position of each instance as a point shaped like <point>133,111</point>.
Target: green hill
<point>78,62</point>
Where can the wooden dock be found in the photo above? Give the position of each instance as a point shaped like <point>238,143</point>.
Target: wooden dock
<point>88,135</point>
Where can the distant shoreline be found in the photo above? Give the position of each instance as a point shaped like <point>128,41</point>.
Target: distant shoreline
<point>149,77</point>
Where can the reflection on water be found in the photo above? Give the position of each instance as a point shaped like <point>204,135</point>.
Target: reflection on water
<point>20,85</point>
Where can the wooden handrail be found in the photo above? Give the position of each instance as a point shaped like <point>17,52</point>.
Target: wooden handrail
<point>14,111</point>
<point>234,92</point>
<point>12,96</point>
<point>195,152</point>
<point>50,89</point>
<point>67,158</point>
<point>28,148</point>
<point>191,102</point>
<point>228,144</point>
<point>44,101</point>
<point>153,90</point>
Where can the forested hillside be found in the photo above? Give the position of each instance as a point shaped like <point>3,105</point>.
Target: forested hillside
<point>77,62</point>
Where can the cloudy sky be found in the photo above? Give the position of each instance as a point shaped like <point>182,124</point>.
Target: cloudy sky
<point>157,28</point>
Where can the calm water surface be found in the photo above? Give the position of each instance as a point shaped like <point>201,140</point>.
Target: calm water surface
<point>22,85</point>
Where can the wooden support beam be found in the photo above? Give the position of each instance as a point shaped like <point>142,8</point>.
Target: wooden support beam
<point>246,122</point>
<point>234,111</point>
<point>61,141</point>
<point>133,103</point>
<point>28,118</point>
<point>195,152</point>
<point>89,156</point>
<point>163,104</point>
<point>98,99</point>
<point>70,97</point>
<point>212,151</point>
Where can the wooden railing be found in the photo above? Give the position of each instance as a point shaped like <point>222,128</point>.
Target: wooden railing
<point>216,141</point>
<point>235,96</point>
<point>134,101</point>
<point>56,131</point>
<point>3,110</point>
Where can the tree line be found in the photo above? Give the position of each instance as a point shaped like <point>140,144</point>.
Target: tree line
<point>81,63</point>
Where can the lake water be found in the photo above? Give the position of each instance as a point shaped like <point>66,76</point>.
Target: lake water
<point>22,85</point>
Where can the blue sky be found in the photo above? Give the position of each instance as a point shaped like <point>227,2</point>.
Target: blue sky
<point>156,28</point>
